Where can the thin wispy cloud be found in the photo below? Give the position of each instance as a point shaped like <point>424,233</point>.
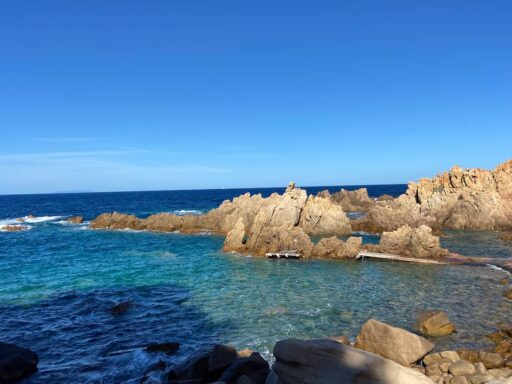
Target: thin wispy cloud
<point>64,155</point>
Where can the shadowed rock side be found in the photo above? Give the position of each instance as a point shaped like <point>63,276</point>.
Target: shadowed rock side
<point>328,362</point>
<point>458,199</point>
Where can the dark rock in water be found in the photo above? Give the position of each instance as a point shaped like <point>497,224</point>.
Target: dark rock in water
<point>252,369</point>
<point>163,347</point>
<point>221,358</point>
<point>76,220</point>
<point>121,308</point>
<point>194,369</point>
<point>158,366</point>
<point>16,363</point>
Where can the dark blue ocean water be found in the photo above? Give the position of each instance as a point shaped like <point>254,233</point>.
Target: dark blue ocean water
<point>58,282</point>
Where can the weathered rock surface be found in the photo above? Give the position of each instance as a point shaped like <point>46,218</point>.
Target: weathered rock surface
<point>412,242</point>
<point>353,201</point>
<point>13,228</point>
<point>252,223</point>
<point>434,323</point>
<point>16,363</point>
<point>392,343</point>
<point>506,236</point>
<point>328,362</point>
<point>334,248</point>
<point>458,199</point>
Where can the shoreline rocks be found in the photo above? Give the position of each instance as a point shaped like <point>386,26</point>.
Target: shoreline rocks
<point>434,323</point>
<point>16,363</point>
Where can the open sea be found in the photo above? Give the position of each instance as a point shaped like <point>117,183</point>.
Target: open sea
<point>58,282</point>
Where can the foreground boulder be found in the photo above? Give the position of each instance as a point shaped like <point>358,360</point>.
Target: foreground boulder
<point>392,343</point>
<point>328,362</point>
<point>16,363</point>
<point>434,323</point>
<point>412,242</point>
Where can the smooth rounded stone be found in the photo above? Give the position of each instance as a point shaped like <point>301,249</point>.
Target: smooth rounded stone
<point>480,378</point>
<point>453,356</point>
<point>461,368</point>
<point>433,358</point>
<point>393,343</point>
<point>460,380</point>
<point>500,381</point>
<point>500,373</point>
<point>433,371</point>
<point>16,362</point>
<point>480,367</point>
<point>434,323</point>
<point>444,366</point>
<point>327,362</point>
<point>492,360</point>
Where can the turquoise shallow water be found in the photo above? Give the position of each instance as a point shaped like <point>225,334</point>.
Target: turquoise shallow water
<point>59,282</point>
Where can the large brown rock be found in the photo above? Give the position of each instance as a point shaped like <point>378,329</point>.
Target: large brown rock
<point>334,248</point>
<point>392,343</point>
<point>276,239</point>
<point>16,363</point>
<point>235,238</point>
<point>353,201</point>
<point>321,216</point>
<point>412,242</point>
<point>328,362</point>
<point>458,199</point>
<point>434,323</point>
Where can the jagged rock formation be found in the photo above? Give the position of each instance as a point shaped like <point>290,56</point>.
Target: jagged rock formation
<point>351,201</point>
<point>315,215</point>
<point>334,248</point>
<point>458,199</point>
<point>412,242</point>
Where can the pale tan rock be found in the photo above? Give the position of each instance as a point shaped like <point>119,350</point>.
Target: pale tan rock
<point>392,343</point>
<point>434,323</point>
<point>353,201</point>
<point>458,199</point>
<point>461,368</point>
<point>321,216</point>
<point>334,248</point>
<point>412,242</point>
<point>75,220</point>
<point>235,238</point>
<point>276,239</point>
<point>13,228</point>
<point>328,362</point>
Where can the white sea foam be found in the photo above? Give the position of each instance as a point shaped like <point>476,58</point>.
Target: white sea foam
<point>363,233</point>
<point>182,212</point>
<point>40,219</point>
<point>496,268</point>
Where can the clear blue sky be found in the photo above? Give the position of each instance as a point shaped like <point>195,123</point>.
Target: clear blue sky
<point>138,95</point>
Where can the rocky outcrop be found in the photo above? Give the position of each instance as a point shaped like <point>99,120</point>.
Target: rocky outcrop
<point>75,220</point>
<point>316,215</point>
<point>272,239</point>
<point>13,228</point>
<point>434,323</point>
<point>16,363</point>
<point>334,248</point>
<point>506,236</point>
<point>235,238</point>
<point>412,242</point>
<point>320,216</point>
<point>327,362</point>
<point>396,344</point>
<point>458,199</point>
<point>353,201</point>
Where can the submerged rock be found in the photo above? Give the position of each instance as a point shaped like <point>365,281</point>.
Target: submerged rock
<point>168,348</point>
<point>121,308</point>
<point>392,343</point>
<point>13,228</point>
<point>434,323</point>
<point>506,236</point>
<point>327,362</point>
<point>16,363</point>
<point>412,242</point>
